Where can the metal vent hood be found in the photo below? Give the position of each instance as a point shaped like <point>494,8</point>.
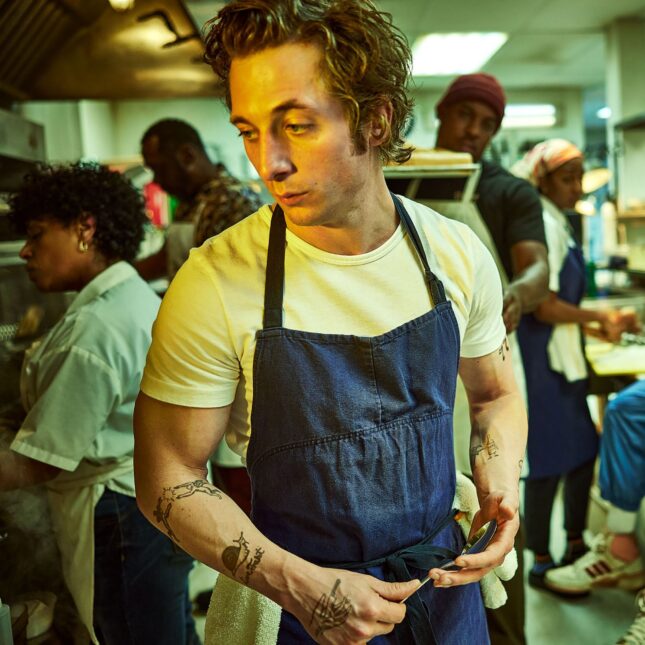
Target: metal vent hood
<point>84,49</point>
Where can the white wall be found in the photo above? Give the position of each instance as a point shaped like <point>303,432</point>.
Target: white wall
<point>625,78</point>
<point>208,115</point>
<point>111,131</point>
<point>97,129</point>
<point>63,139</point>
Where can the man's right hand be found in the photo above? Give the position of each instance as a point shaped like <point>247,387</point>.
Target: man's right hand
<point>345,608</point>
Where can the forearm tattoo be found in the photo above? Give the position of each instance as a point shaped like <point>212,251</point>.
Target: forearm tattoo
<point>488,448</point>
<point>504,349</point>
<point>237,559</point>
<point>170,495</point>
<point>331,610</point>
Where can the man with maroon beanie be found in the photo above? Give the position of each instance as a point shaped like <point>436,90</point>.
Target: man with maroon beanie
<point>470,114</point>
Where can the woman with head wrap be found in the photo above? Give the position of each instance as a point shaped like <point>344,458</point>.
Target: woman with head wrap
<point>562,441</point>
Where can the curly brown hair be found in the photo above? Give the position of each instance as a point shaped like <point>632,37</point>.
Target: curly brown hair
<point>366,59</point>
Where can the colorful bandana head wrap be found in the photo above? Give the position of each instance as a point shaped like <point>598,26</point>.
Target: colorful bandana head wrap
<point>544,158</point>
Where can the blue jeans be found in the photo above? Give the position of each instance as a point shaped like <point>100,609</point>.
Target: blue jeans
<point>622,449</point>
<point>140,579</point>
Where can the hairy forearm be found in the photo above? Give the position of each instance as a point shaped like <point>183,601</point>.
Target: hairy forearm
<point>17,471</point>
<point>498,442</point>
<point>531,286</point>
<point>554,311</point>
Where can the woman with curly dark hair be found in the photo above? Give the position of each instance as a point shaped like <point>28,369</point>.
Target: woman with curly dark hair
<point>83,225</point>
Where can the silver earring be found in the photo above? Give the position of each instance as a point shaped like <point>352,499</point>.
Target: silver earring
<point>82,246</point>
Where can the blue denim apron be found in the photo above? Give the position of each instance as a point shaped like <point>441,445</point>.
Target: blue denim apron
<point>562,435</point>
<point>351,456</point>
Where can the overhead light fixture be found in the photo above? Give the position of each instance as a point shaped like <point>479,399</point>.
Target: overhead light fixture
<point>529,115</point>
<point>121,5</point>
<point>456,53</point>
<point>604,112</point>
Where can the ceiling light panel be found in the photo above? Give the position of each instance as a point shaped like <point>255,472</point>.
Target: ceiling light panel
<point>456,53</point>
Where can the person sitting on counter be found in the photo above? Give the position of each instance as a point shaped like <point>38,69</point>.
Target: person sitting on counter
<point>563,441</point>
<point>84,224</point>
<point>211,199</point>
<point>323,335</point>
<point>615,558</point>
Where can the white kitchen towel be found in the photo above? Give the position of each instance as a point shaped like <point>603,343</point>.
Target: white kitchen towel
<point>237,614</point>
<point>466,501</point>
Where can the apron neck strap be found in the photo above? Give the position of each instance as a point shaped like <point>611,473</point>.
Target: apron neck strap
<point>274,280</point>
<point>435,285</point>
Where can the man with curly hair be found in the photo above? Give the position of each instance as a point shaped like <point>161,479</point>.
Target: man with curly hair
<point>322,337</point>
<point>84,224</point>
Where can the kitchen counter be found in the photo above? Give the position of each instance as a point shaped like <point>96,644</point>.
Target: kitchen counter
<point>608,359</point>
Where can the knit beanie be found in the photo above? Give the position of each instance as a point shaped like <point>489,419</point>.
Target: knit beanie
<point>475,87</point>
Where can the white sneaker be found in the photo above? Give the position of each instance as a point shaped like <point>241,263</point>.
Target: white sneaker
<point>596,568</point>
<point>636,633</point>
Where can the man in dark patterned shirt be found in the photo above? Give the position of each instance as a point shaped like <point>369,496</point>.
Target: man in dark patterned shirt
<point>210,198</point>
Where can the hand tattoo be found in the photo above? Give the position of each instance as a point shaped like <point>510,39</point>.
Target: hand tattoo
<point>234,557</point>
<point>171,495</point>
<point>504,349</point>
<point>331,610</point>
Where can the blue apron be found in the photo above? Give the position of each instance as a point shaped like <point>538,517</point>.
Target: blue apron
<point>351,456</point>
<point>562,435</point>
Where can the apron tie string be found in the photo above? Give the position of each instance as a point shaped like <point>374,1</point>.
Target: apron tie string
<point>422,555</point>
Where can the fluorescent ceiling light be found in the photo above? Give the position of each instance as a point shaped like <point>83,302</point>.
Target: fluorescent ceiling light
<point>458,53</point>
<point>121,5</point>
<point>529,115</point>
<point>604,112</point>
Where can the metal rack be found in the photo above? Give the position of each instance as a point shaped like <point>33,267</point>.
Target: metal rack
<point>467,175</point>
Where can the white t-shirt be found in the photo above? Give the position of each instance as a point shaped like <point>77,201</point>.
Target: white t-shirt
<point>204,337</point>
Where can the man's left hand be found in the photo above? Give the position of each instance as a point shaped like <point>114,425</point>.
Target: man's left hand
<point>498,505</point>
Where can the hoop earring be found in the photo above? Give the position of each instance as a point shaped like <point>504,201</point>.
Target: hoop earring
<point>83,246</point>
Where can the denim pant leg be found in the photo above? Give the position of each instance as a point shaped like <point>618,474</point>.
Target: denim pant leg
<point>141,579</point>
<point>622,449</point>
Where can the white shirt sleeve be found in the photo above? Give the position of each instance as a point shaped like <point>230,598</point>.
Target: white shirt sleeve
<point>192,359</point>
<point>485,329</point>
<point>77,393</point>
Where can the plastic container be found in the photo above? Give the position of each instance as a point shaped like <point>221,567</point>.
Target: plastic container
<point>5,625</point>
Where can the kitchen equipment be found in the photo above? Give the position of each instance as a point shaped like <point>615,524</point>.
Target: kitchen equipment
<point>5,625</point>
<point>627,339</point>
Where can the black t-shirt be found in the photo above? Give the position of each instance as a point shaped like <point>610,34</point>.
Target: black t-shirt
<point>511,208</point>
